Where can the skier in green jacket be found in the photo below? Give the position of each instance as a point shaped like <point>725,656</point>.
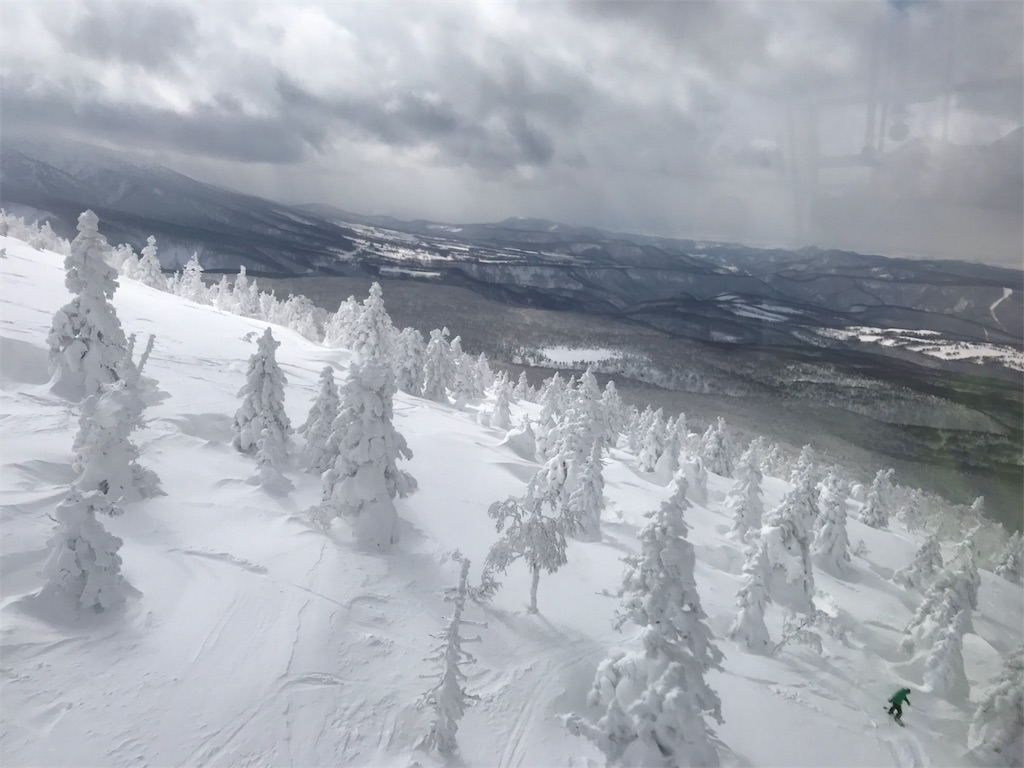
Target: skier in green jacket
<point>897,699</point>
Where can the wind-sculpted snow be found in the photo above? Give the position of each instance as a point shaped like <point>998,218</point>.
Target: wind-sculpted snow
<point>251,637</point>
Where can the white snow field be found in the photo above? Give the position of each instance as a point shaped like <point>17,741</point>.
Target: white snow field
<point>254,638</point>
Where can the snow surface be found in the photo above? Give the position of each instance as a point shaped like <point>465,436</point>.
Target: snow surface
<point>255,639</point>
<point>931,343</point>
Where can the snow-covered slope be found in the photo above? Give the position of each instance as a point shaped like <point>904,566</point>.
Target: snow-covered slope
<point>256,639</point>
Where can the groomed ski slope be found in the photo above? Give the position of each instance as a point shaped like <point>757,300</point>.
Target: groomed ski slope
<point>255,639</point>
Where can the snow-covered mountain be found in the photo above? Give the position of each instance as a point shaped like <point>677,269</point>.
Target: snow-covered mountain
<point>252,637</point>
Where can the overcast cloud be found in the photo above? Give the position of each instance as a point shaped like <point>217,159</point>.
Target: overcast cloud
<point>730,120</point>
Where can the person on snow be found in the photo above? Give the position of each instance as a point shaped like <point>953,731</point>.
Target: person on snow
<point>897,700</point>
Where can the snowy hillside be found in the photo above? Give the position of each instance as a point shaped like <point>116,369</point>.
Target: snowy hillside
<point>252,637</point>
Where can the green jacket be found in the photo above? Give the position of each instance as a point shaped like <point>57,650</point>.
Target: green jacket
<point>900,696</point>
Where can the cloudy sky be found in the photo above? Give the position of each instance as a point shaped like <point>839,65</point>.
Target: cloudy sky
<point>738,120</point>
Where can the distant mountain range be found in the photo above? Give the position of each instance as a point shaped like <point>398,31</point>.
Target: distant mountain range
<point>721,292</point>
<point>769,315</point>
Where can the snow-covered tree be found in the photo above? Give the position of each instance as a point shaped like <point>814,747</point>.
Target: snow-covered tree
<point>533,529</point>
<point>410,350</point>
<point>786,537</point>
<point>653,443</point>
<point>448,699</point>
<point>1011,562</point>
<point>654,703</point>
<point>749,628</point>
<point>876,507</point>
<point>743,501</point>
<point>438,367</point>
<point>270,459</point>
<point>771,460</point>
<point>148,271</point>
<point>925,567</point>
<point>501,416</point>
<point>87,345</point>
<point>463,383</point>
<point>483,376</point>
<point>523,390</point>
<point>245,294</point>
<point>106,459</point>
<point>716,449</point>
<point>831,543</point>
<point>190,283</point>
<point>806,462</point>
<point>262,400</point>
<point>697,480</point>
<point>911,510</point>
<point>316,431</point>
<point>997,728</point>
<point>552,400</point>
<point>339,326</point>
<point>954,592</point>
<point>129,266</point>
<point>372,336</point>
<point>364,478</point>
<point>944,665</point>
<point>84,563</point>
<point>614,413</point>
<point>586,502</point>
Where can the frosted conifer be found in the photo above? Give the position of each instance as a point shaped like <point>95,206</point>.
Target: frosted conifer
<point>831,543</point>
<point>1011,563</point>
<point>190,286</point>
<point>744,498</point>
<point>262,400</point>
<point>653,443</point>
<point>749,628</point>
<point>654,703</point>
<point>448,699</point>
<point>148,272</point>
<point>586,502</point>
<point>523,390</point>
<point>410,350</point>
<point>786,537</point>
<point>316,455</point>
<point>944,665</point>
<point>106,459</point>
<point>876,508</point>
<point>339,328</point>
<point>614,416</point>
<point>364,477</point>
<point>501,417</point>
<point>997,728</point>
<point>925,567</point>
<point>83,562</point>
<point>716,449</point>
<point>372,337</point>
<point>245,294</point>
<point>87,345</point>
<point>438,367</point>
<point>697,480</point>
<point>463,384</point>
<point>954,592</point>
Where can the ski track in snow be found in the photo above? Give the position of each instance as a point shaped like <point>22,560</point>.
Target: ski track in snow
<point>537,688</point>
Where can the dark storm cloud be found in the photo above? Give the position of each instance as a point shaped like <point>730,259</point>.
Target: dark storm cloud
<point>704,119</point>
<point>491,137</point>
<point>218,130</point>
<point>151,36</point>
